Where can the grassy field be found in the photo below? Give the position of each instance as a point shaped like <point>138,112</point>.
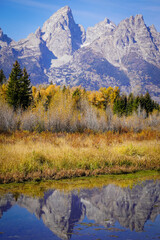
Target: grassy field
<point>28,156</point>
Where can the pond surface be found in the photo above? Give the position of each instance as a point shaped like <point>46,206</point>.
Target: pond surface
<point>110,212</point>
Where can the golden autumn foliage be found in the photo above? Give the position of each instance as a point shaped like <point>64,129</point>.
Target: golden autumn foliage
<point>59,109</point>
<point>101,98</point>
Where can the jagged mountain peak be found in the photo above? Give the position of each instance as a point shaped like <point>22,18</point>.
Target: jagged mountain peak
<point>139,16</point>
<point>127,55</point>
<point>4,38</point>
<point>152,28</point>
<point>108,21</point>
<point>137,21</point>
<point>62,15</point>
<point>64,10</point>
<point>61,34</point>
<point>105,26</point>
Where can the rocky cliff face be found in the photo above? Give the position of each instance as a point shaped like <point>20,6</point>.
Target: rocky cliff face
<point>98,30</point>
<point>133,48</point>
<point>127,55</point>
<point>61,34</point>
<point>4,39</point>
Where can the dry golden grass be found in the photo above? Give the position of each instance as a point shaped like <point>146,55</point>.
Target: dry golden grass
<point>34,156</point>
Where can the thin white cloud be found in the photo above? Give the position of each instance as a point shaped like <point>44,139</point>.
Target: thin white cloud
<point>36,4</point>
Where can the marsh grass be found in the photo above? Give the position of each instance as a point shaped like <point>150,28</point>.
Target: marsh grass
<point>28,156</point>
<point>37,189</point>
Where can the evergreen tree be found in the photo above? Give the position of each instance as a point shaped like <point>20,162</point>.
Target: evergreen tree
<point>120,105</point>
<point>13,88</point>
<point>136,103</point>
<point>2,77</point>
<point>18,89</point>
<point>148,103</point>
<point>25,90</point>
<point>142,101</point>
<point>130,102</point>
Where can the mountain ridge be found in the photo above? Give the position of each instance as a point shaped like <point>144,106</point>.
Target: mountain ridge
<point>126,55</point>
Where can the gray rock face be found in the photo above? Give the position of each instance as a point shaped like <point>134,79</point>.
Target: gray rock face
<point>62,35</point>
<point>132,35</point>
<point>127,55</point>
<point>134,49</point>
<point>4,39</point>
<point>31,53</point>
<point>98,30</point>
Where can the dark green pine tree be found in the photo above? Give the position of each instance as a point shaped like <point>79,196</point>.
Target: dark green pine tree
<point>2,77</point>
<point>130,102</point>
<point>25,90</point>
<point>136,103</point>
<point>18,89</point>
<point>13,88</point>
<point>120,105</point>
<point>148,103</point>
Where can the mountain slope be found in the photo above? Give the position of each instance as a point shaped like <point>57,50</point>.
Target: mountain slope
<point>127,55</point>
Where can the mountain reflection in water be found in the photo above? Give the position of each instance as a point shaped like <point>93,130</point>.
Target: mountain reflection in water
<point>61,211</point>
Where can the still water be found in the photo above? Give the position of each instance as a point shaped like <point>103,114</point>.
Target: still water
<point>110,212</point>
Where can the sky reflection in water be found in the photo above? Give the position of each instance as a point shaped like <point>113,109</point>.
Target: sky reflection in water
<point>110,212</point>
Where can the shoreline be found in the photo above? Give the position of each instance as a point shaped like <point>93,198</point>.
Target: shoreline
<point>27,156</point>
<point>38,188</point>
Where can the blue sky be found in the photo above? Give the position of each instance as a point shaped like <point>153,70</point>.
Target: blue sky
<point>18,18</point>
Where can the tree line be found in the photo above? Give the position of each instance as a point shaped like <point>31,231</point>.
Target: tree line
<point>69,108</point>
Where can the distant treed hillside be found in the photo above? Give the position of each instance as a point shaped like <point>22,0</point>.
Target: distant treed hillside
<point>106,55</point>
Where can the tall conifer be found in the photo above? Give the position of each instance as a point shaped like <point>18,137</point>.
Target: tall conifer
<point>25,90</point>
<point>13,88</point>
<point>18,89</point>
